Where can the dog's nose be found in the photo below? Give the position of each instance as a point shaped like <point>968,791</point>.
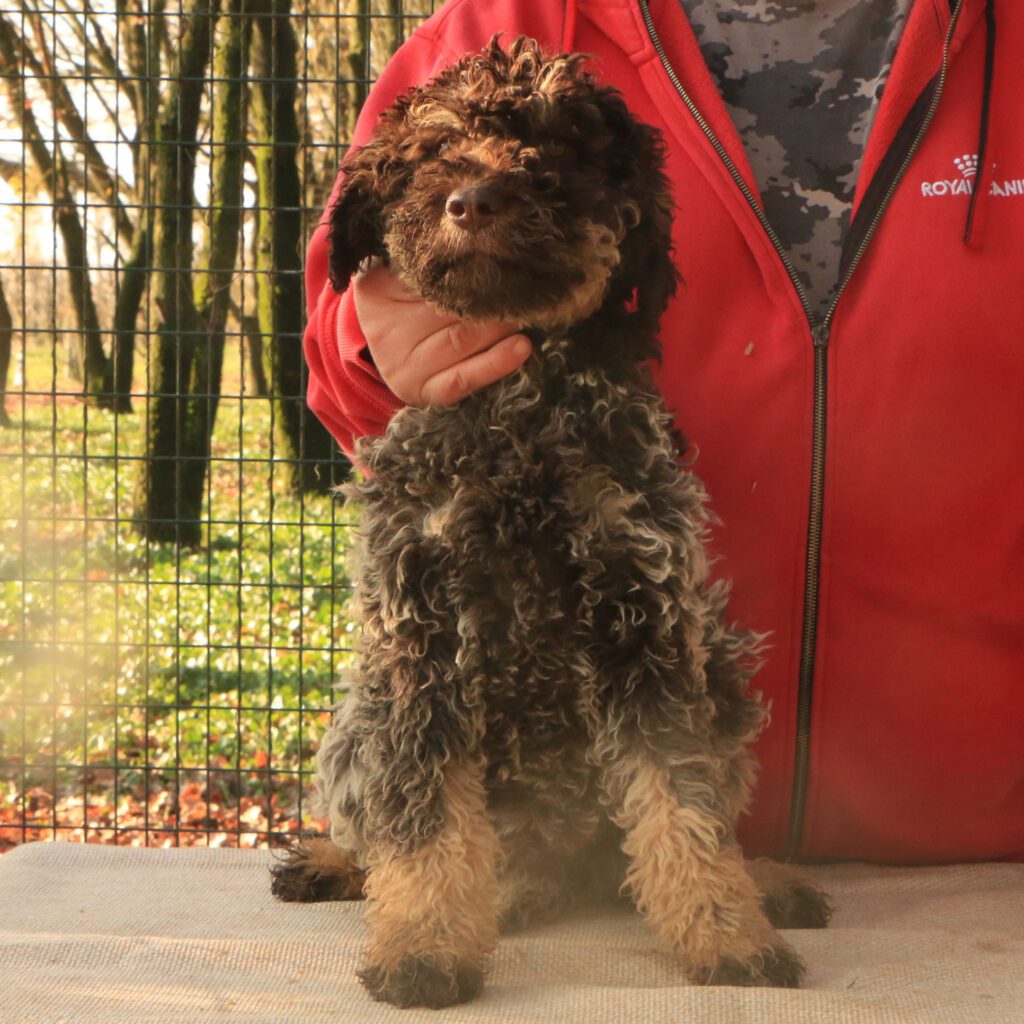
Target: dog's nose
<point>473,207</point>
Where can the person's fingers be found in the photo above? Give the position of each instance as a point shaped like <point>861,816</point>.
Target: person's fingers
<point>393,318</point>
<point>468,375</point>
<point>451,344</point>
<point>411,343</point>
<point>380,294</point>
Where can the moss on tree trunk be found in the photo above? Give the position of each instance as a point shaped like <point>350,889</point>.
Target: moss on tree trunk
<point>358,57</point>
<point>274,129</point>
<point>142,46</point>
<point>131,288</point>
<point>177,441</point>
<point>6,339</point>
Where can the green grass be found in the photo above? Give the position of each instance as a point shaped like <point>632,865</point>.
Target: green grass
<point>128,667</point>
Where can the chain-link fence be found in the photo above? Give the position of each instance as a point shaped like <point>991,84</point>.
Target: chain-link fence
<point>172,584</point>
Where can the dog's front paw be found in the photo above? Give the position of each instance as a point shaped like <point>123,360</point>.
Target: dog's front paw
<point>423,981</point>
<point>797,905</point>
<point>776,967</point>
<point>314,869</point>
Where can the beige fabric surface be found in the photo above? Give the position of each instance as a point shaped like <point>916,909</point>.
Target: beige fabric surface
<point>103,934</point>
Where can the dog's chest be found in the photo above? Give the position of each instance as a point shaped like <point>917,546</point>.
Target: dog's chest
<point>524,455</point>
<point>524,481</point>
<point>506,512</point>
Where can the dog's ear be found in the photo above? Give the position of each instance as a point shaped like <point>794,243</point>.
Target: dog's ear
<point>372,178</point>
<point>647,273</point>
<point>647,255</point>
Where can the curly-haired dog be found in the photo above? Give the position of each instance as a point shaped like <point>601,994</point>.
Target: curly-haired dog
<point>548,701</point>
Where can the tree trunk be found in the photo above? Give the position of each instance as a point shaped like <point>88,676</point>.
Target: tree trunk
<point>131,288</point>
<point>177,452</point>
<point>96,369</point>
<point>250,329</point>
<point>141,45</point>
<point>358,85</point>
<point>213,285</point>
<point>308,447</point>
<point>394,27</point>
<point>133,37</point>
<point>6,340</point>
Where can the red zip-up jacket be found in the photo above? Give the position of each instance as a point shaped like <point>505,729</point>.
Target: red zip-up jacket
<point>867,471</point>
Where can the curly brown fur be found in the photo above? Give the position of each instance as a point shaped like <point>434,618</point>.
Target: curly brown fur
<point>315,870</point>
<point>547,680</point>
<point>585,212</point>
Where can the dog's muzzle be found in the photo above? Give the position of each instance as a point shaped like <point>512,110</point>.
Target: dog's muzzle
<point>473,207</point>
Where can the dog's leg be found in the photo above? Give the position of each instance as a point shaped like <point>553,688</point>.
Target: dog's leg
<point>687,875</point>
<point>670,725</point>
<point>670,720</point>
<point>405,775</point>
<point>432,903</point>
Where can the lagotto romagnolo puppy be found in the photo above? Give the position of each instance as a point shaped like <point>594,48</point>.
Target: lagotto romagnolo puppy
<point>549,704</point>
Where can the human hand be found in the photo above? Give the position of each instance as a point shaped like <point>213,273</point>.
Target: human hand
<point>426,357</point>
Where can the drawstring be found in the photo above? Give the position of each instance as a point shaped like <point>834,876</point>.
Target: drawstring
<point>980,183</point>
<point>569,26</point>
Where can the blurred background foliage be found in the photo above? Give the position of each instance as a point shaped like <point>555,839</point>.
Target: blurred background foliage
<point>174,604</point>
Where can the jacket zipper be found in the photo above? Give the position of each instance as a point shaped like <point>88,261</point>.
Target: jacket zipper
<point>819,336</point>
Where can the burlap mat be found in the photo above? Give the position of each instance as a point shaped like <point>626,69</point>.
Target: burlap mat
<point>114,935</point>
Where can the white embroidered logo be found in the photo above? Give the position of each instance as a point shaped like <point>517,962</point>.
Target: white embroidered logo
<point>967,165</point>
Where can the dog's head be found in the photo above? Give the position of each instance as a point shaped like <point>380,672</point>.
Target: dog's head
<point>512,186</point>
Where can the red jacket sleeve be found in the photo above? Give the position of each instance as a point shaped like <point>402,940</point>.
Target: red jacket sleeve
<point>344,389</point>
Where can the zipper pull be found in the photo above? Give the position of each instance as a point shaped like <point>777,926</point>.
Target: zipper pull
<point>819,335</point>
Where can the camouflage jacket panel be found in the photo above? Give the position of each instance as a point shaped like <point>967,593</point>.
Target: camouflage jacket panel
<point>802,81</point>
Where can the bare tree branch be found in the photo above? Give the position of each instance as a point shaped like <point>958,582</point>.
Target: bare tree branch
<point>70,62</point>
<point>97,372</point>
<point>44,68</point>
